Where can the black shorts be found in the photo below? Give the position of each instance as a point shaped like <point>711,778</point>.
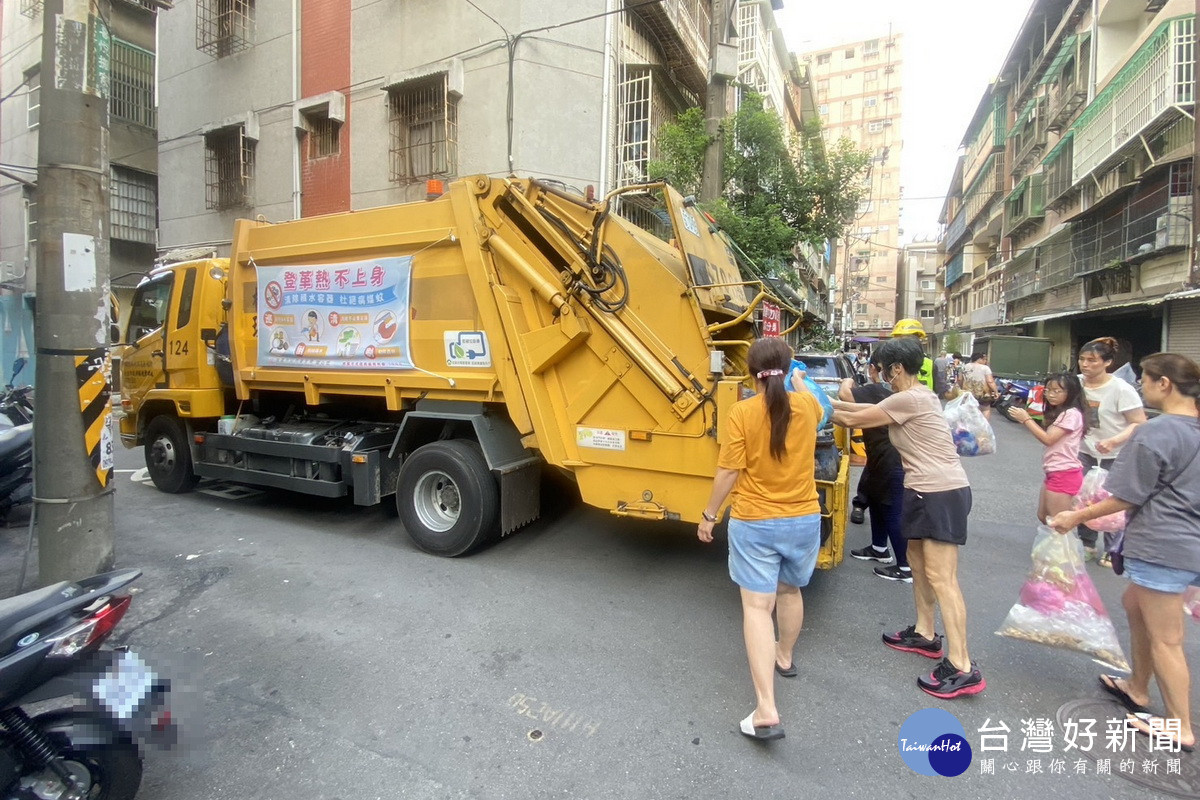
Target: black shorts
<point>940,516</point>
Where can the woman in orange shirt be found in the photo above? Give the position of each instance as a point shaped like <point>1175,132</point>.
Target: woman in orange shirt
<point>767,461</point>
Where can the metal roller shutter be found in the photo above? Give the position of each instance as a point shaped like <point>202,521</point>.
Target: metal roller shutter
<point>1183,329</point>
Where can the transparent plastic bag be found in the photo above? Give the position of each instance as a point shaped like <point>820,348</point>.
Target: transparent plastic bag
<point>1191,602</point>
<point>973,435</point>
<point>1091,492</point>
<point>1058,604</point>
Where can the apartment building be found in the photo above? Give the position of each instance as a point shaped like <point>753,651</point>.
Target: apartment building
<point>132,151</point>
<point>1070,215</point>
<point>766,67</point>
<point>917,290</point>
<point>859,92</point>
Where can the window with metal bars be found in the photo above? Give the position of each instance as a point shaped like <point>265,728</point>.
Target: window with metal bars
<point>132,84</point>
<point>224,27</point>
<point>228,168</point>
<point>31,226</point>
<point>635,131</point>
<point>424,121</point>
<point>33,98</point>
<point>324,134</point>
<point>31,8</point>
<point>134,204</point>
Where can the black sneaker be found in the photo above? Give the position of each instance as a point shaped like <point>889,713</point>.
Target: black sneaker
<point>910,641</point>
<point>857,516</point>
<point>869,553</point>
<point>894,573</point>
<point>948,682</point>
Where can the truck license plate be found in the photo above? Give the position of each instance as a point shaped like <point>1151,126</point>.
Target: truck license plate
<point>124,685</point>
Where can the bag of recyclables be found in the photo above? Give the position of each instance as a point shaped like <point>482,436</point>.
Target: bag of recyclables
<point>973,435</point>
<point>1091,492</point>
<point>811,385</point>
<point>1059,606</point>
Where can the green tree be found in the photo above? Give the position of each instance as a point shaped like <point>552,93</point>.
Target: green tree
<point>780,188</point>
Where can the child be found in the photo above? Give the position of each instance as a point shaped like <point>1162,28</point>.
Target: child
<point>1066,423</point>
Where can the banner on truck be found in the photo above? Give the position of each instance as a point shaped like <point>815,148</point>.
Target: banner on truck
<point>349,315</point>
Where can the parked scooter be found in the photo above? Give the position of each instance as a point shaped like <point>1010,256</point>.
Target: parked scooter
<point>1013,394</point>
<point>49,650</point>
<point>16,445</point>
<point>16,404</point>
<point>16,467</point>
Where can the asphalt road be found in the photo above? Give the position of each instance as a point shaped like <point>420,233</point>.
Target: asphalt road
<point>322,656</point>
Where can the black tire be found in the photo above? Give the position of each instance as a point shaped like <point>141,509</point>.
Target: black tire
<point>112,769</point>
<point>115,769</point>
<point>169,455</point>
<point>447,498</point>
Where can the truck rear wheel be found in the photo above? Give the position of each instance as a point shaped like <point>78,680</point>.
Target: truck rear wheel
<point>447,497</point>
<point>168,455</point>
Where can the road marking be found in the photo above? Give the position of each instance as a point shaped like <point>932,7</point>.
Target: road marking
<point>138,475</point>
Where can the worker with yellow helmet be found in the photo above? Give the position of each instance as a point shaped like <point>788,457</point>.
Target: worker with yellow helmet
<point>912,327</point>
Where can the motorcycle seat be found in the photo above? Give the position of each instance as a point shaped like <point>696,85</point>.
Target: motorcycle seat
<point>14,611</point>
<point>15,439</point>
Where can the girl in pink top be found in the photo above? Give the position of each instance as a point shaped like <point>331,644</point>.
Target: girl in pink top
<point>1066,423</point>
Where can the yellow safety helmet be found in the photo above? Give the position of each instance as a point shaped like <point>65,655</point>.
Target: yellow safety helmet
<point>909,327</point>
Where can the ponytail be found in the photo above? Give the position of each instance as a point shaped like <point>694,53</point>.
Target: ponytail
<point>769,361</point>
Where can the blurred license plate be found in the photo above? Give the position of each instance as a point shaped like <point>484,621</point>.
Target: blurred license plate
<point>124,685</point>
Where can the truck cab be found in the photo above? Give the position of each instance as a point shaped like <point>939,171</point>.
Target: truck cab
<point>168,364</point>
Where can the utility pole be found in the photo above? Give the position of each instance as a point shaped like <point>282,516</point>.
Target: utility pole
<point>722,68</point>
<point>72,441</point>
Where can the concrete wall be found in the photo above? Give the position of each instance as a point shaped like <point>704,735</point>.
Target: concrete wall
<point>557,100</point>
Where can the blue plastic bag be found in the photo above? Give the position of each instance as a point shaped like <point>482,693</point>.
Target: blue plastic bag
<point>811,385</point>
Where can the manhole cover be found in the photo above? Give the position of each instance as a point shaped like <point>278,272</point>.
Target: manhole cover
<point>1175,774</point>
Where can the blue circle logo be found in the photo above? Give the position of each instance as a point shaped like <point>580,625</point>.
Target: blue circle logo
<point>933,742</point>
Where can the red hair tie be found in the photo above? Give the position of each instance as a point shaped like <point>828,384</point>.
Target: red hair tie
<point>766,373</point>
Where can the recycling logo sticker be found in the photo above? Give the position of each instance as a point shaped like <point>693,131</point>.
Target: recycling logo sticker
<point>933,742</point>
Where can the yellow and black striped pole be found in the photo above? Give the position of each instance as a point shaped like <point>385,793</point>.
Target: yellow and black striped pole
<point>95,393</point>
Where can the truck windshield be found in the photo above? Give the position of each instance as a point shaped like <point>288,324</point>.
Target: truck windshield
<point>149,309</point>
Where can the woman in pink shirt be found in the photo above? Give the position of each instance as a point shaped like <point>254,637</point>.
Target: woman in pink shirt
<point>1066,424</point>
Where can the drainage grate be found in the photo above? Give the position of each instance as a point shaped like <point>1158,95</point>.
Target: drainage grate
<point>1184,783</point>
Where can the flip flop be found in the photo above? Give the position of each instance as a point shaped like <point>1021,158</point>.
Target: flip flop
<point>1144,719</point>
<point>790,672</point>
<point>763,733</point>
<point>1122,696</point>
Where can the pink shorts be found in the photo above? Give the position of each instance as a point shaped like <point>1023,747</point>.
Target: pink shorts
<point>1069,481</point>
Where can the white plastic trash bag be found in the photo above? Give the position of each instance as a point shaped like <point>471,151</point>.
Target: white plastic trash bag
<point>973,435</point>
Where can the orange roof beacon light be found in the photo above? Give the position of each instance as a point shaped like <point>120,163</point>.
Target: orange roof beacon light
<point>434,189</point>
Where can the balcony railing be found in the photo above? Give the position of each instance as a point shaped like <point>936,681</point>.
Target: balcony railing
<point>1159,77</point>
<point>1028,135</point>
<point>681,27</point>
<point>1057,166</point>
<point>1147,225</point>
<point>1026,204</point>
<point>986,188</point>
<point>957,229</point>
<point>954,270</point>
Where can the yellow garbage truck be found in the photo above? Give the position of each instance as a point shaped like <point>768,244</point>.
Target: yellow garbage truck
<point>437,354</point>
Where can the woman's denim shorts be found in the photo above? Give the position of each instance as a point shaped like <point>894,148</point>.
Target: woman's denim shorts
<point>1160,578</point>
<point>764,553</point>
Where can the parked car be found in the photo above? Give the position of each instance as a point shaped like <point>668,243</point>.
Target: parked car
<point>828,370</point>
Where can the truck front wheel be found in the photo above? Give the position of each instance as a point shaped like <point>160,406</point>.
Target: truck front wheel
<point>168,455</point>
<point>447,497</point>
